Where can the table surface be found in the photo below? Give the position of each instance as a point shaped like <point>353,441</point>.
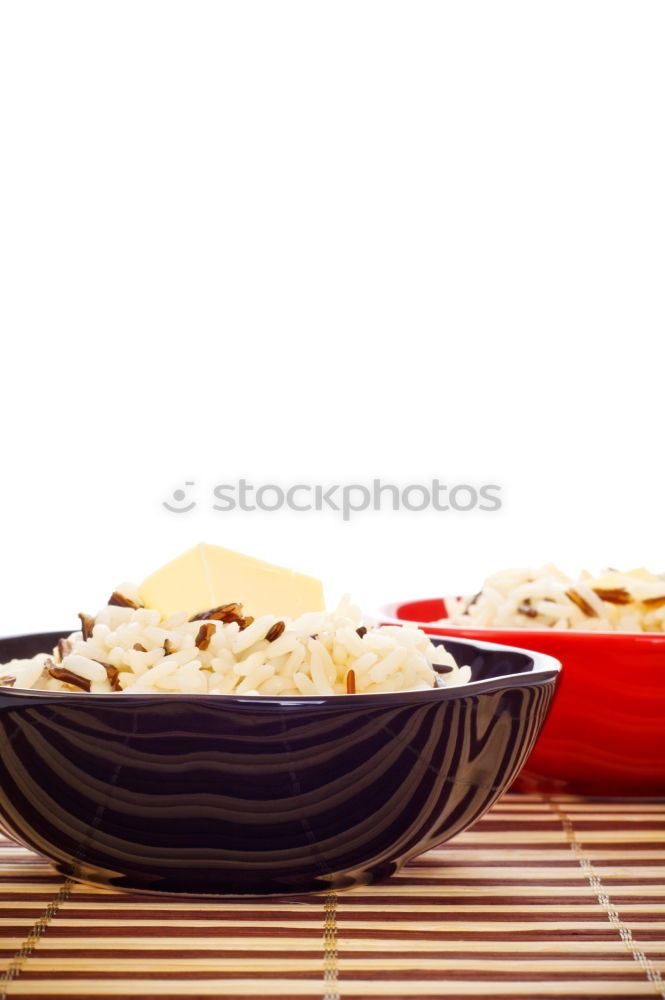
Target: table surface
<point>544,897</point>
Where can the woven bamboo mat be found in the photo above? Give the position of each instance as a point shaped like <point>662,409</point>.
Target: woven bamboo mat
<point>542,898</point>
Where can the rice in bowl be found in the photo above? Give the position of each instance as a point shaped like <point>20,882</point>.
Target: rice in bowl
<point>133,649</point>
<point>545,598</point>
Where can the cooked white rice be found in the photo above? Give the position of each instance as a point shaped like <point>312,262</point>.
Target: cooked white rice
<point>135,650</point>
<point>632,601</point>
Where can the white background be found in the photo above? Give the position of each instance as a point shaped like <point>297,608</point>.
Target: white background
<point>326,242</point>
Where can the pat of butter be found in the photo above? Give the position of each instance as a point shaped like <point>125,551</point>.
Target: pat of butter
<point>207,576</point>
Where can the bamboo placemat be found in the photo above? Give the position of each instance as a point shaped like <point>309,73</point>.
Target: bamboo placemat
<point>558,897</point>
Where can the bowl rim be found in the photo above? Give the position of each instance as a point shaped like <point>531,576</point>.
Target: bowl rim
<point>544,668</point>
<point>387,614</point>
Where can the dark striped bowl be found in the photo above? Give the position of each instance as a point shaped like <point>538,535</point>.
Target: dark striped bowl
<point>224,795</point>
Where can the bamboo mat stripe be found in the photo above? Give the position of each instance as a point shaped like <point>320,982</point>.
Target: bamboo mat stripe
<point>544,897</point>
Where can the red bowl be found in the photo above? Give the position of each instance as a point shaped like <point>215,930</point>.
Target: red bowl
<point>605,734</point>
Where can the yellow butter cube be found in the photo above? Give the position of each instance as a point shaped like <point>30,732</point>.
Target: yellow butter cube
<point>208,575</point>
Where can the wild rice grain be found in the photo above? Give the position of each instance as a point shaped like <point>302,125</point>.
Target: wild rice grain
<point>205,634</point>
<point>68,677</point>
<point>64,648</point>
<point>118,600</point>
<point>275,631</point>
<point>87,624</point>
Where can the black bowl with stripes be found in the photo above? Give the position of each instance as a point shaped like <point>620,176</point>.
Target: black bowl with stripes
<point>243,795</point>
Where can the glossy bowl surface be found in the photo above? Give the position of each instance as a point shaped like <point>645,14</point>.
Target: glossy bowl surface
<point>229,795</point>
<point>606,732</point>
